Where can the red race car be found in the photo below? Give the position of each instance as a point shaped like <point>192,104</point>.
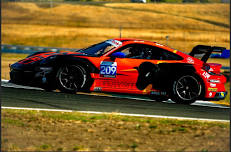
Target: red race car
<point>126,66</point>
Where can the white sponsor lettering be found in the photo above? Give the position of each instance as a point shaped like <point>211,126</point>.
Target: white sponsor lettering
<point>115,43</point>
<point>97,89</point>
<point>108,69</point>
<point>206,75</point>
<point>159,44</point>
<point>190,60</point>
<point>212,85</point>
<point>210,94</point>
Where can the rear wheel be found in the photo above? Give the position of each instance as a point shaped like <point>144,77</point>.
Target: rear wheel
<point>71,78</point>
<point>186,89</point>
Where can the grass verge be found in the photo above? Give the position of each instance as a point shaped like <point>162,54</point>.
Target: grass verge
<point>26,130</point>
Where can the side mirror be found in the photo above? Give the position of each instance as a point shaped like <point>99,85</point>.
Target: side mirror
<point>117,55</point>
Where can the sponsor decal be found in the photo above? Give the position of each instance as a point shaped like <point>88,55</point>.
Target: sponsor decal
<point>222,94</point>
<point>97,89</point>
<point>214,81</point>
<point>115,43</point>
<point>190,60</point>
<point>159,44</point>
<point>108,69</point>
<point>206,75</point>
<point>117,84</point>
<point>212,89</point>
<point>212,85</point>
<point>157,93</point>
<point>210,94</point>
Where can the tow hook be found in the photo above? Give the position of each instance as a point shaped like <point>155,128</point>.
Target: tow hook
<point>44,79</point>
<point>43,72</point>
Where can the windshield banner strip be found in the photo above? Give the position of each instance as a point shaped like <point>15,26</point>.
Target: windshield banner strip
<point>115,43</point>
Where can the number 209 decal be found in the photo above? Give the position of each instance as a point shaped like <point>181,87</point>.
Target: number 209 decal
<point>108,69</point>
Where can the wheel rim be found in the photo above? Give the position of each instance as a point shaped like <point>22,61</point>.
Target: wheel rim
<point>188,88</point>
<point>72,77</point>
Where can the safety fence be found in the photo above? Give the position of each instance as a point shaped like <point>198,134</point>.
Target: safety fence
<point>30,49</point>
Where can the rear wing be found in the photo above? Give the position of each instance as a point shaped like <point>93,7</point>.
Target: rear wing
<point>205,51</point>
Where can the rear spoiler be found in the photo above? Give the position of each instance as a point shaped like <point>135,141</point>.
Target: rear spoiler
<point>205,51</point>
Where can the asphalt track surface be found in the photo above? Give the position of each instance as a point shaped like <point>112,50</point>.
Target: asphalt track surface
<point>21,96</point>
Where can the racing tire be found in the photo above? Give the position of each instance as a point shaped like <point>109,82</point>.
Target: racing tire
<point>72,78</point>
<point>186,89</point>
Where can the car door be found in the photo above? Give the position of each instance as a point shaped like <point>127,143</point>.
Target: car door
<point>120,75</point>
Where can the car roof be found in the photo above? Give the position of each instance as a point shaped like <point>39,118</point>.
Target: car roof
<point>132,40</point>
<point>126,41</point>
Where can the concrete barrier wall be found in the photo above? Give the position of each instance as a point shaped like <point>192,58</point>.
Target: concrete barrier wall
<point>30,49</point>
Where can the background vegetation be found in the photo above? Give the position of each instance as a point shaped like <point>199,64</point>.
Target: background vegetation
<point>78,25</point>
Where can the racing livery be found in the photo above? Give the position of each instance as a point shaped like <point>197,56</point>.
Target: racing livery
<point>126,66</point>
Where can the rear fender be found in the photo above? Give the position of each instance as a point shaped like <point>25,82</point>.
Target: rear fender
<point>163,75</point>
<point>169,72</point>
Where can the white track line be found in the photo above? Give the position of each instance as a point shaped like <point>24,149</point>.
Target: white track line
<point>197,103</point>
<point>122,114</point>
<point>5,83</point>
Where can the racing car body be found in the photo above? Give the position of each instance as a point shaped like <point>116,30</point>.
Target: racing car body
<point>126,66</point>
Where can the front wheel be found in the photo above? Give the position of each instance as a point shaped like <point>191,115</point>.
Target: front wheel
<point>71,78</point>
<point>186,89</point>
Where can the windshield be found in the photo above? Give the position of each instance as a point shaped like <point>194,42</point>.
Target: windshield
<point>101,48</point>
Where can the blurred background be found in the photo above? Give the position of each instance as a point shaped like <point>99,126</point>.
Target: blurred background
<point>80,23</point>
<point>180,24</point>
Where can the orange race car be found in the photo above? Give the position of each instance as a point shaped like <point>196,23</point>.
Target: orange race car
<point>126,66</point>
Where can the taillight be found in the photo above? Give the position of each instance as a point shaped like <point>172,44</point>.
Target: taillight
<point>206,67</point>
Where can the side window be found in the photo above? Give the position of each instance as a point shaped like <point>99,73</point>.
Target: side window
<point>161,54</point>
<point>133,51</point>
<point>147,52</point>
<point>171,56</point>
<point>126,50</point>
<point>142,51</point>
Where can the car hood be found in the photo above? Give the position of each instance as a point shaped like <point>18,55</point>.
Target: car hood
<point>48,55</point>
<point>39,57</point>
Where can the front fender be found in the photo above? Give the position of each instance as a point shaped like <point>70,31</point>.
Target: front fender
<point>70,59</point>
